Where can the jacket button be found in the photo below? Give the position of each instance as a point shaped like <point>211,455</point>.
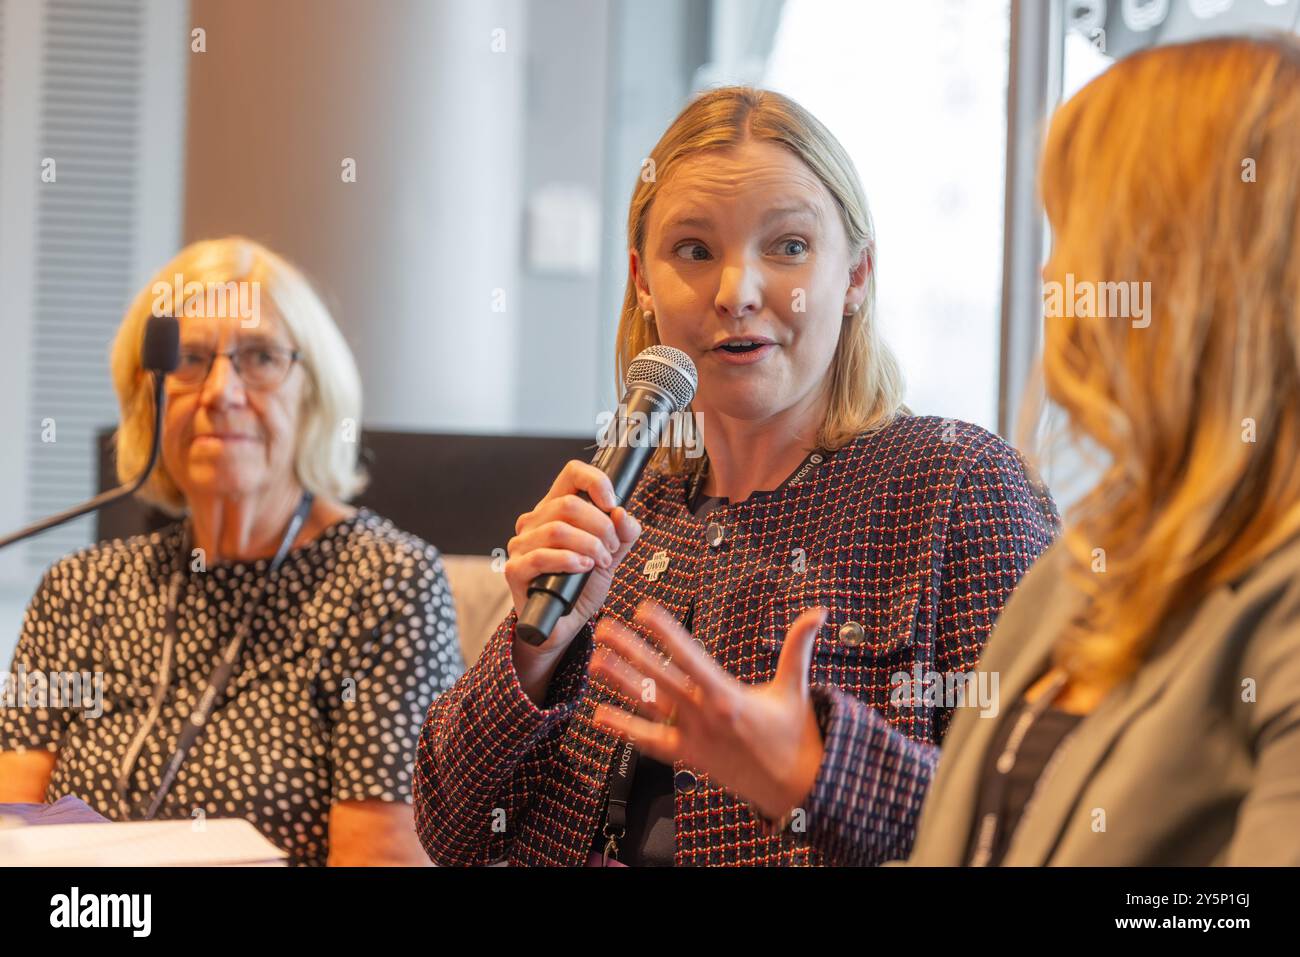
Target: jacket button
<point>851,634</point>
<point>684,782</point>
<point>714,534</point>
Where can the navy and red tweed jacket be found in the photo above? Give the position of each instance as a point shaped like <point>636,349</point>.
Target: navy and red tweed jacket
<point>913,536</point>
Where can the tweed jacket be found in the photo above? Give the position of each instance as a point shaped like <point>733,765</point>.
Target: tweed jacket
<point>912,535</point>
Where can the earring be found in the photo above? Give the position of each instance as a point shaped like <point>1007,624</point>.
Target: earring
<point>648,316</point>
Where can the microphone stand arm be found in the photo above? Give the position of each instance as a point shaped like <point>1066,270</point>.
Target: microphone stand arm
<point>103,498</point>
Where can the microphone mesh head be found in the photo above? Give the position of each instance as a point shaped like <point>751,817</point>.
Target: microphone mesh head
<point>161,351</point>
<point>666,369</point>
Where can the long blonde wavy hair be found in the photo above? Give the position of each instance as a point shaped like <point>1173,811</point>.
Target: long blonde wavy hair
<point>866,384</point>
<point>1179,166</point>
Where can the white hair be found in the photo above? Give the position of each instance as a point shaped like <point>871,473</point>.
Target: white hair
<point>325,456</point>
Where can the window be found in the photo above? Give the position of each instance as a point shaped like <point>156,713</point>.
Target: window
<point>916,92</point>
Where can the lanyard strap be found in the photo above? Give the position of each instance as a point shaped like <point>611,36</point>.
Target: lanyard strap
<point>620,790</point>
<point>811,462</point>
<point>623,768</point>
<point>991,825</point>
<point>220,677</point>
<point>621,773</point>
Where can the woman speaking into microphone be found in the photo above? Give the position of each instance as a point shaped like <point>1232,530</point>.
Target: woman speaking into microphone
<point>826,547</point>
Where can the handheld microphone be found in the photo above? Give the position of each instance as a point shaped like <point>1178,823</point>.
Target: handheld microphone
<point>159,354</point>
<point>660,381</point>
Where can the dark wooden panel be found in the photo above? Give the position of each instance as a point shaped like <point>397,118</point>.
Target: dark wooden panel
<point>460,492</point>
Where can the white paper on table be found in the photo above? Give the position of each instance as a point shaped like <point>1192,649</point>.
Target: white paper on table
<point>225,842</point>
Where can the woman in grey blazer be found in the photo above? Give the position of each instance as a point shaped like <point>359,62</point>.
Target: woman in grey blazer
<point>1151,661</point>
<point>1194,759</point>
<point>1149,664</point>
<point>1145,674</point>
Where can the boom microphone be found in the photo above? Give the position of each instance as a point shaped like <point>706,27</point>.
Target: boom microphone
<point>159,354</point>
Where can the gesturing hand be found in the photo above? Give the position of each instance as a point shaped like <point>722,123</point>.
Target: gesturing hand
<point>761,742</point>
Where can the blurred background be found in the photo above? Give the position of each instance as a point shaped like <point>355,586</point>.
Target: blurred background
<point>477,261</point>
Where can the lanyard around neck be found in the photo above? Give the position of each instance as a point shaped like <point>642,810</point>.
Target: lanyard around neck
<point>811,462</point>
<point>993,823</point>
<point>220,676</point>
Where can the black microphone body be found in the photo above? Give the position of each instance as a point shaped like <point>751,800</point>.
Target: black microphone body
<point>160,354</point>
<point>650,400</point>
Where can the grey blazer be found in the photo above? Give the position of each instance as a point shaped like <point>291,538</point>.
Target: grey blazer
<point>1194,760</point>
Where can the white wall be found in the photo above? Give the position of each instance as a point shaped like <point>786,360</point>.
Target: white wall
<point>410,254</point>
<point>73,250</point>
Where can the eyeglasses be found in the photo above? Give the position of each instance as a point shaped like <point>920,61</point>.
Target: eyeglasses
<point>260,367</point>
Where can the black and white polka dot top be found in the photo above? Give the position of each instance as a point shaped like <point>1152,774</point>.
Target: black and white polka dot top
<point>353,640</point>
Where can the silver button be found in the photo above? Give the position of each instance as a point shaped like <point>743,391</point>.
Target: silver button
<point>852,634</point>
<point>684,782</point>
<point>714,534</point>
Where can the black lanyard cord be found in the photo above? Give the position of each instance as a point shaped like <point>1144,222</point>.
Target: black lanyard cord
<point>220,677</point>
<point>993,822</point>
<point>623,768</point>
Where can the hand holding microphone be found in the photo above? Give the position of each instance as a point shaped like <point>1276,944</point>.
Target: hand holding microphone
<point>577,528</point>
<point>565,551</point>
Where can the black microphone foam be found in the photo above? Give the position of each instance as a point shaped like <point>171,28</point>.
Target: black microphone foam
<point>160,354</point>
<point>161,350</point>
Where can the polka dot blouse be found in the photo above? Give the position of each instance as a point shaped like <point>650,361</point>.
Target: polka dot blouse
<point>354,638</point>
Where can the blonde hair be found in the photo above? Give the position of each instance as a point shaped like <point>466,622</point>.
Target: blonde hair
<point>325,458</point>
<point>866,384</point>
<point>1149,174</point>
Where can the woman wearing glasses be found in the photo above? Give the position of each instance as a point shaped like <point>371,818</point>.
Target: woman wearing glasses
<point>338,626</point>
